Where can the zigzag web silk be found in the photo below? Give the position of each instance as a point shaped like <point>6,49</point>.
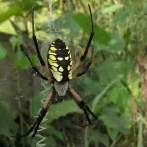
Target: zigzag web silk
<point>52,28</point>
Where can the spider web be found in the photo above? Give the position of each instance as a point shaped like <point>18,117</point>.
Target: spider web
<point>56,28</point>
<point>53,32</point>
<point>61,26</point>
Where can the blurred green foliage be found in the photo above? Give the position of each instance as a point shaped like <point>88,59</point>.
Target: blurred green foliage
<point>111,87</point>
<point>3,51</point>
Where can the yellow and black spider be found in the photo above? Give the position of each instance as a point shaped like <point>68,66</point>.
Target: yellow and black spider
<point>59,64</point>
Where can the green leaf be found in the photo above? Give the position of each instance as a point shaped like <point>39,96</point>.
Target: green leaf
<point>116,43</point>
<point>16,41</point>
<point>17,9</point>
<point>50,141</point>
<point>3,51</point>
<point>108,72</point>
<point>36,104</point>
<point>66,22</point>
<point>7,27</point>
<point>112,133</point>
<point>61,109</point>
<point>89,83</point>
<point>98,137</point>
<point>112,8</point>
<point>114,120</point>
<point>133,84</point>
<point>20,60</point>
<point>120,17</point>
<point>112,69</point>
<point>100,36</point>
<point>38,97</point>
<point>120,96</point>
<point>104,91</point>
<point>55,132</point>
<point>5,115</point>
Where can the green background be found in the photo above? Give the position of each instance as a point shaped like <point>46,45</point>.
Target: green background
<point>114,86</point>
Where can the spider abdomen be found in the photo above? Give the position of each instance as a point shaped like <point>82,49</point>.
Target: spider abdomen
<point>59,61</point>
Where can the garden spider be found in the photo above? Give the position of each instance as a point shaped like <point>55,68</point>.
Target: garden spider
<point>61,72</point>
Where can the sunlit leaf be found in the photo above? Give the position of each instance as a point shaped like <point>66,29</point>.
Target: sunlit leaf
<point>133,83</point>
<point>6,27</point>
<point>17,9</point>
<point>112,8</point>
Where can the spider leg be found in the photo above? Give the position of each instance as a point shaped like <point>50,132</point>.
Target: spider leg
<point>82,105</point>
<point>25,52</point>
<point>45,68</point>
<point>82,58</point>
<point>86,67</point>
<point>36,123</point>
<point>91,36</point>
<point>42,114</point>
<point>35,41</point>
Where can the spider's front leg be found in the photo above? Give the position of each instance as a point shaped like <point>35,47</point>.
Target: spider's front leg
<point>36,42</point>
<point>86,67</point>
<point>42,62</point>
<point>82,58</point>
<point>25,52</point>
<point>42,114</point>
<point>82,105</point>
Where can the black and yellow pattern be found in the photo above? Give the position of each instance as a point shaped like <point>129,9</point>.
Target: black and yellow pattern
<point>59,61</point>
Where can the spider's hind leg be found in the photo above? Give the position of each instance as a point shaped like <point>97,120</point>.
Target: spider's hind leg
<point>36,124</point>
<point>87,111</point>
<point>25,52</point>
<point>42,114</point>
<point>82,105</point>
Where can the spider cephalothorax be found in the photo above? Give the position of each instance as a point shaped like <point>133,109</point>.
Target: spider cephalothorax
<point>61,71</point>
